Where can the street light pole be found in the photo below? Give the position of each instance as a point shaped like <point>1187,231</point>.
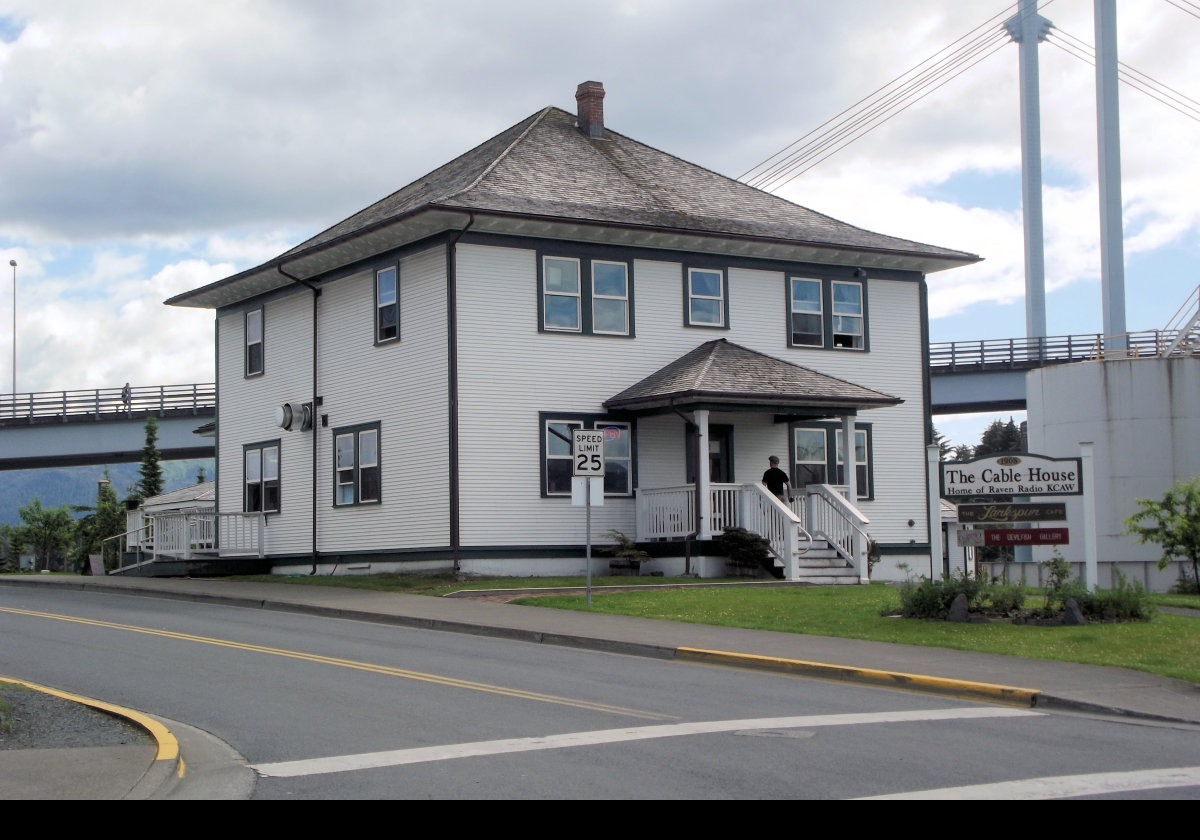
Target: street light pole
<point>13,263</point>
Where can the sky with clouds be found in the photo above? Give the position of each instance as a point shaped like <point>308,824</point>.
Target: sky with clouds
<point>147,148</point>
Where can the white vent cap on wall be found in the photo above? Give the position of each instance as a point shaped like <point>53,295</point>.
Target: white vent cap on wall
<point>294,415</point>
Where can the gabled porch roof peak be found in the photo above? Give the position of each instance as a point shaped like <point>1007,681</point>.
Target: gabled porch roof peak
<point>723,373</point>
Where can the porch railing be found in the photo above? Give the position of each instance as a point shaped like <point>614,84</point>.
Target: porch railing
<point>832,518</point>
<point>184,536</point>
<point>764,514</point>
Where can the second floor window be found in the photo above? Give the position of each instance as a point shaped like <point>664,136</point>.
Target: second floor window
<point>254,342</point>
<point>705,297</point>
<point>387,305</point>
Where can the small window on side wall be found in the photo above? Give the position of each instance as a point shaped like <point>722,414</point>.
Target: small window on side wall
<point>356,468</point>
<point>387,305</point>
<point>557,468</point>
<point>261,478</point>
<point>254,342</point>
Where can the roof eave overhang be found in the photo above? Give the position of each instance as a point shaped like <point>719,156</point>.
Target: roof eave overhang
<point>783,404</point>
<point>431,219</point>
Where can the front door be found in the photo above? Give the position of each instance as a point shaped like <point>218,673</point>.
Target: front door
<point>720,454</point>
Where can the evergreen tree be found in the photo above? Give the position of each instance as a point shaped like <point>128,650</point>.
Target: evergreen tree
<point>106,520</point>
<point>151,481</point>
<point>999,437</point>
<point>49,532</point>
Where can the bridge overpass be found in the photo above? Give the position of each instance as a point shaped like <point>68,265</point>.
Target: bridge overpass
<point>101,426</point>
<point>74,428</point>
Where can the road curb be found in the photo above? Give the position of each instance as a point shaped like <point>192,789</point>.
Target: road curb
<point>963,689</point>
<point>167,761</point>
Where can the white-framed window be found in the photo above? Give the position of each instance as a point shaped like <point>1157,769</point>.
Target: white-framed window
<point>861,462</point>
<point>557,469</point>
<point>706,297</point>
<point>562,296</point>
<point>817,456</point>
<point>827,314</point>
<point>808,317</point>
<point>810,456</point>
<point>387,305</point>
<point>356,469</point>
<point>610,297</point>
<point>848,315</point>
<point>261,477</point>
<point>255,355</point>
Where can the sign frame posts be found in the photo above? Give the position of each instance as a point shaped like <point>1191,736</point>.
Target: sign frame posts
<point>587,464</point>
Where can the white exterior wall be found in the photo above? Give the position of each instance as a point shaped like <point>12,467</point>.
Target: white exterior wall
<point>1143,417</point>
<point>401,385</point>
<point>246,414</point>
<point>509,372</point>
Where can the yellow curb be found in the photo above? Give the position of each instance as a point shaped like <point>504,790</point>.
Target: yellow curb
<point>168,747</point>
<point>964,689</point>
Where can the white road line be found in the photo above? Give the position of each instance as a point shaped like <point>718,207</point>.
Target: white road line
<point>1062,787</point>
<point>419,755</point>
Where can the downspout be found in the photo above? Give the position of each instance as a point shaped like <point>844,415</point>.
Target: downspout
<point>452,444</point>
<point>316,294</point>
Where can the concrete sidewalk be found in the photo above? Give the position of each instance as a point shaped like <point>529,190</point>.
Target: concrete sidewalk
<point>989,677</point>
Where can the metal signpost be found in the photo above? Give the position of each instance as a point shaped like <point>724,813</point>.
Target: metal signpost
<point>587,462</point>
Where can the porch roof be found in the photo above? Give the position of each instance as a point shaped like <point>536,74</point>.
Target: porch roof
<point>723,374</point>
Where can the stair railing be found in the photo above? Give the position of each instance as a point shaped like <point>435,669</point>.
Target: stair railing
<point>834,519</point>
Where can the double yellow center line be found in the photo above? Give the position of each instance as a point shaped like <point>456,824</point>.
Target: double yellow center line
<point>370,667</point>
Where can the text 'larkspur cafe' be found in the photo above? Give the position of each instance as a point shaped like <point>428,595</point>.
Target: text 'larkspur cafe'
<point>1013,475</point>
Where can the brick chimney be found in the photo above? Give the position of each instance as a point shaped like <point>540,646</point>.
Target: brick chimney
<point>590,98</point>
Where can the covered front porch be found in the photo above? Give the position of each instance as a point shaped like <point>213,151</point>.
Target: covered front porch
<point>760,398</point>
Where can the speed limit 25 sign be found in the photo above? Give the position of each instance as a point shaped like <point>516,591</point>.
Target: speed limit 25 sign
<point>587,452</point>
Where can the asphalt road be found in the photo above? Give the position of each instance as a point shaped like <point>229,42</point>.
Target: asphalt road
<point>324,707</point>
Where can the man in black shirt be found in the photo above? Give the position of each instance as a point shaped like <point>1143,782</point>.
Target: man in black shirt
<point>777,480</point>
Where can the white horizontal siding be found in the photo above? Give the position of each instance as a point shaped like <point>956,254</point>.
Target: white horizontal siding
<point>509,372</point>
<point>246,414</point>
<point>403,386</point>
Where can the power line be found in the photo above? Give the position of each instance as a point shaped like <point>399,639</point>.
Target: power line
<point>1186,7</point>
<point>880,106</point>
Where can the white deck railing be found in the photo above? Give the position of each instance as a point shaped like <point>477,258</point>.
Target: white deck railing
<point>669,513</point>
<point>832,518</point>
<point>184,536</point>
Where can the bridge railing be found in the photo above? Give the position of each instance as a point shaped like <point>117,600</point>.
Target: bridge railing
<point>991,354</point>
<point>100,402</point>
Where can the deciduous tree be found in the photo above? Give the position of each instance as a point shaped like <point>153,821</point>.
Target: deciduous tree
<point>1173,522</point>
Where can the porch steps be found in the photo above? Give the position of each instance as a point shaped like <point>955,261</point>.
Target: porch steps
<point>824,567</point>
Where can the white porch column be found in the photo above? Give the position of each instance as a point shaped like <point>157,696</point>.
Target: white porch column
<point>848,459</point>
<point>703,479</point>
<point>933,475</point>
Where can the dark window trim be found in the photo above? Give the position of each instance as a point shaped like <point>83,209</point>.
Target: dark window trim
<point>247,373</point>
<point>356,430</point>
<point>827,337</point>
<point>688,268</point>
<point>259,447</point>
<point>584,257</point>
<point>393,266</point>
<point>589,421</point>
<point>831,453</point>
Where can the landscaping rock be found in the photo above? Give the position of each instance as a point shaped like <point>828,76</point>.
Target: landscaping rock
<point>1073,616</point>
<point>958,609</point>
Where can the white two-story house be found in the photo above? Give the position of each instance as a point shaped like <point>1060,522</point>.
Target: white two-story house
<point>399,391</point>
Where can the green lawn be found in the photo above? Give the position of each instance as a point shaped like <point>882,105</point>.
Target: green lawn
<point>1168,644</point>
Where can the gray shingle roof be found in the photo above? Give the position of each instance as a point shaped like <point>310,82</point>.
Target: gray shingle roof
<point>721,372</point>
<point>545,168</point>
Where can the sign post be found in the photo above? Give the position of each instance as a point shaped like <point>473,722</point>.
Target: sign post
<point>587,462</point>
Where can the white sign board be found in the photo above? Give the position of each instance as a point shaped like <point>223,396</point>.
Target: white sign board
<point>970,539</point>
<point>587,453</point>
<point>585,491</point>
<point>1012,474</point>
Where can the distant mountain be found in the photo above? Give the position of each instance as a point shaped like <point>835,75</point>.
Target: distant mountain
<point>78,485</point>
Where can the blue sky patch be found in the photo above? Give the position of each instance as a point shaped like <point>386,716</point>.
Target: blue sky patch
<point>10,28</point>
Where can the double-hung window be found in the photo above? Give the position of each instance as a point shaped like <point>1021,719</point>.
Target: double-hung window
<point>254,342</point>
<point>562,296</point>
<point>848,315</point>
<point>356,474</point>
<point>387,305</point>
<point>706,295</point>
<point>557,466</point>
<point>261,477</point>
<point>827,314</point>
<point>585,295</point>
<point>817,455</point>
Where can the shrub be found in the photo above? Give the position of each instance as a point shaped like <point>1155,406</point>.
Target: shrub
<point>927,598</point>
<point>1005,599</point>
<point>746,549</point>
